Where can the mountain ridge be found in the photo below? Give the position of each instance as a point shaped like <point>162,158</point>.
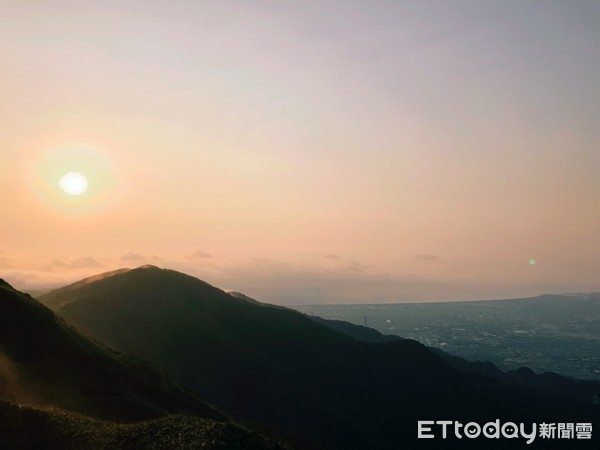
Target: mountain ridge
<point>75,367</point>
<point>60,390</point>
<point>278,369</point>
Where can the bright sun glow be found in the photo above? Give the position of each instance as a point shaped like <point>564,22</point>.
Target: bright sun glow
<point>73,183</point>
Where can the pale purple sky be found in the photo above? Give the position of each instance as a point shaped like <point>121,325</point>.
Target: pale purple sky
<point>305,152</point>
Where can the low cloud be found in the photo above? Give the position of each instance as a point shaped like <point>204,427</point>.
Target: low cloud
<point>57,264</point>
<point>199,254</point>
<point>291,284</point>
<point>338,263</point>
<point>310,280</point>
<point>133,257</point>
<point>354,266</point>
<point>85,262</point>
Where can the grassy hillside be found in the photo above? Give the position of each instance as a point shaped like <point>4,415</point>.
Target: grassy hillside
<point>123,402</point>
<point>296,378</point>
<point>45,361</point>
<point>29,428</point>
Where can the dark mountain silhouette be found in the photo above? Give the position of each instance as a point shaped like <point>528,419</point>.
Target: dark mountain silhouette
<point>298,379</point>
<point>57,298</point>
<point>46,363</point>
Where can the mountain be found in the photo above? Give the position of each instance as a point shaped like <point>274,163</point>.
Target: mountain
<point>28,427</point>
<point>78,390</point>
<point>280,371</point>
<point>45,361</point>
<point>56,297</point>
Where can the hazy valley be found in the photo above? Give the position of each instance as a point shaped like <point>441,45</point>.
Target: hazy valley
<point>556,333</point>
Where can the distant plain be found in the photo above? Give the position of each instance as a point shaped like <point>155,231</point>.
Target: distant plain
<point>549,333</point>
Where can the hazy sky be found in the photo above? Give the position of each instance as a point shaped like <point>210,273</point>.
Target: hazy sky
<point>305,152</point>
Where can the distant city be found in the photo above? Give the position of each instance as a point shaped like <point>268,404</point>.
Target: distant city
<point>549,333</point>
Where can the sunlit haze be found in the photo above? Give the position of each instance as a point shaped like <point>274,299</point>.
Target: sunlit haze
<point>304,152</point>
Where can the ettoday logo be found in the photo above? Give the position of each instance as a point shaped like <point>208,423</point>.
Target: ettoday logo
<point>429,429</point>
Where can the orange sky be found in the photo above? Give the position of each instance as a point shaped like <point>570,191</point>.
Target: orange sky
<point>333,152</point>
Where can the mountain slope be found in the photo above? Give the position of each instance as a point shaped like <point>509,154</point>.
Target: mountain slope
<point>551,382</point>
<point>54,299</point>
<point>45,361</point>
<point>279,369</point>
<point>26,427</point>
<point>48,365</point>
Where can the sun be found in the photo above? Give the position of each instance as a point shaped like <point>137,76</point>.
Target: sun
<point>73,183</point>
